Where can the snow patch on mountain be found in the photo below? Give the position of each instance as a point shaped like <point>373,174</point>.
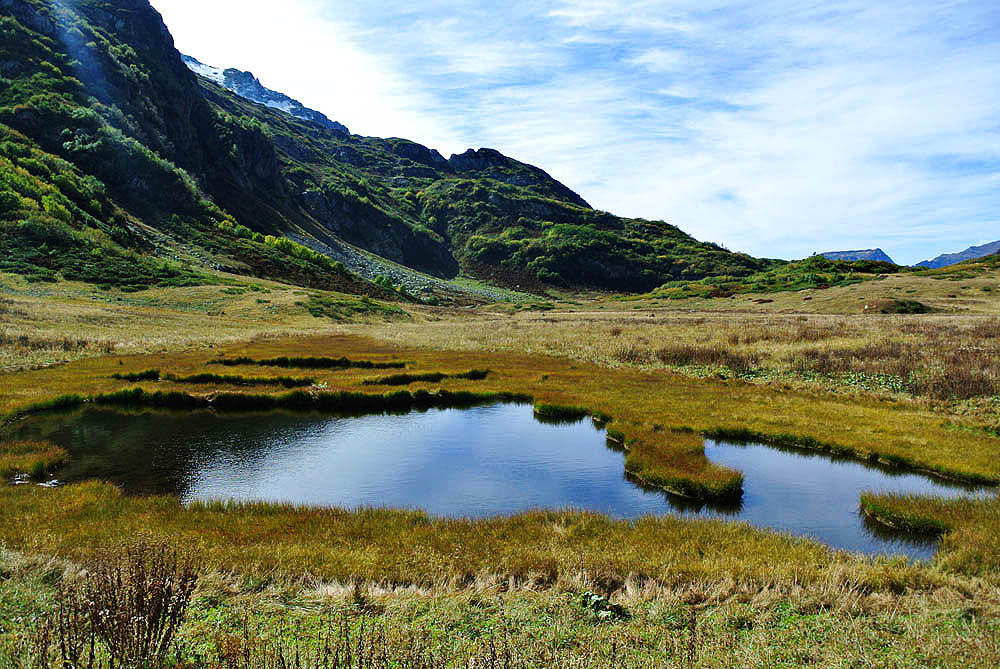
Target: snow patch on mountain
<point>207,71</point>
<point>248,86</point>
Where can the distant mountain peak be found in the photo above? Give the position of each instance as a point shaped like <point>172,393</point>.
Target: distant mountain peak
<point>246,85</point>
<point>970,253</point>
<point>865,254</point>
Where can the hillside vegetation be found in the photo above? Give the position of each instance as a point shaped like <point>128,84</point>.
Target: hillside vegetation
<point>119,166</point>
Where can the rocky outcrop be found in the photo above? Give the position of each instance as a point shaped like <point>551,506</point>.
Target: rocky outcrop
<point>477,160</point>
<point>491,164</point>
<point>419,154</point>
<point>877,255</point>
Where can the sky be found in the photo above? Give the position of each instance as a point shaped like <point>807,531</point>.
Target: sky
<point>775,127</point>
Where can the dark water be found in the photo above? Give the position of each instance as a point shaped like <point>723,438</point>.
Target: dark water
<point>492,460</point>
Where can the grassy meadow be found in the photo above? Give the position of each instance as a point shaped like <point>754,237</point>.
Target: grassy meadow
<point>546,588</point>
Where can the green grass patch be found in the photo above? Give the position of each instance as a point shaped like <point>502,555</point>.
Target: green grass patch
<point>135,377</point>
<point>558,414</point>
<point>342,308</point>
<point>904,307</point>
<point>308,363</point>
<point>430,377</point>
<point>814,273</point>
<point>237,380</point>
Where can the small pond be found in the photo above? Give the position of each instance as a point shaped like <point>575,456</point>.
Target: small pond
<point>483,461</point>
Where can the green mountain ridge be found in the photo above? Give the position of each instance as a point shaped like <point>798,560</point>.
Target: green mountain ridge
<point>119,166</point>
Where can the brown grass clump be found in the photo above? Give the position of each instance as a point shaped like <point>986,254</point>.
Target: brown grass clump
<point>34,459</point>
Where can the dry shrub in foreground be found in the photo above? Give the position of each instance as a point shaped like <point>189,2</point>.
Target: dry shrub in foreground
<point>125,610</point>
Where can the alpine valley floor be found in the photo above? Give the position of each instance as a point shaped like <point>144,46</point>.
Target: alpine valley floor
<point>545,588</point>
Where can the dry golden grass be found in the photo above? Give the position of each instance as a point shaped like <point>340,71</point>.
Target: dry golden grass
<point>45,324</point>
<point>402,548</point>
<point>936,357</point>
<point>949,290</point>
<point>249,623</point>
<point>646,404</point>
<point>30,458</point>
<point>612,362</point>
<point>27,457</point>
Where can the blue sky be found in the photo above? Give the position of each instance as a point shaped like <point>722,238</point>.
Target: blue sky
<point>774,127</point>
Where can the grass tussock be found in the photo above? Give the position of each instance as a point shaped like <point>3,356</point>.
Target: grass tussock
<point>427,377</point>
<point>136,377</point>
<point>309,363</point>
<point>969,527</point>
<point>238,380</point>
<point>674,460</point>
<point>34,459</point>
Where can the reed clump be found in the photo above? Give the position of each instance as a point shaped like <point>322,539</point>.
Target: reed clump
<point>427,377</point>
<point>308,363</point>
<point>559,413</point>
<point>24,342</point>
<point>238,380</point>
<point>135,377</point>
<point>690,354</point>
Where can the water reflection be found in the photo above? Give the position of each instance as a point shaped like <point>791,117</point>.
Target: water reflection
<point>483,461</point>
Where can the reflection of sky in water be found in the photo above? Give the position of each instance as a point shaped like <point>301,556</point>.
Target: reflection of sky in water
<point>483,461</point>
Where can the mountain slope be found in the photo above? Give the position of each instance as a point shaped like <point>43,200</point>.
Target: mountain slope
<point>970,253</point>
<point>113,146</point>
<point>877,255</point>
<point>248,86</point>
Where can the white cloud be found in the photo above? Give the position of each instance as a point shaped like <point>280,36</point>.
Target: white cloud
<point>302,52</point>
<point>775,127</point>
<point>660,60</point>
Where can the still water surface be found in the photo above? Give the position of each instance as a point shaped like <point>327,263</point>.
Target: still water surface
<point>483,461</point>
